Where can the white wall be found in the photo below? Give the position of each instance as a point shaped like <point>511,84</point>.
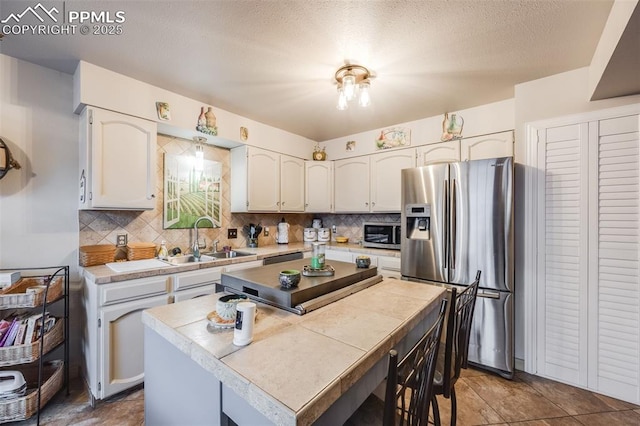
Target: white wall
<point>481,120</point>
<point>97,86</point>
<point>38,206</point>
<point>555,96</point>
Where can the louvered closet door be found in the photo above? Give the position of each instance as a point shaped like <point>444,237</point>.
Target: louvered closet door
<point>563,249</point>
<point>614,297</point>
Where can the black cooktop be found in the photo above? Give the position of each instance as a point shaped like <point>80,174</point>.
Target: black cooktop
<point>262,282</point>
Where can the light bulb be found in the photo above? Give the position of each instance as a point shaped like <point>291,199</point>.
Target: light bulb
<point>342,99</point>
<point>349,85</point>
<point>365,98</point>
<point>199,163</point>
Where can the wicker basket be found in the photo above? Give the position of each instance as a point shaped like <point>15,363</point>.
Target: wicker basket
<point>140,251</point>
<point>97,254</point>
<point>21,354</point>
<point>23,407</point>
<point>17,296</point>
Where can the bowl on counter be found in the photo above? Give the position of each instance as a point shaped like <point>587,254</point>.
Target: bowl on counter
<point>226,306</point>
<point>289,278</point>
<point>342,239</point>
<point>363,261</point>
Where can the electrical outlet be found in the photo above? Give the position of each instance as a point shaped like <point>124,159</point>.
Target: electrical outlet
<point>121,240</point>
<point>266,231</point>
<point>232,233</point>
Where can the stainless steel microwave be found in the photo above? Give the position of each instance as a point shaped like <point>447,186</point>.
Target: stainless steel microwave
<point>381,235</point>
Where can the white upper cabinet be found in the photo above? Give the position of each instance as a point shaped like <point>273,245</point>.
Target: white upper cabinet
<point>262,180</point>
<point>351,180</point>
<point>117,161</point>
<point>385,190</point>
<point>477,148</point>
<point>489,146</point>
<point>291,184</point>
<point>371,184</point>
<point>319,186</point>
<point>444,152</point>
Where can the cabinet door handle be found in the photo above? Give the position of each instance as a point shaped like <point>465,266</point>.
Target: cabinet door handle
<point>366,204</point>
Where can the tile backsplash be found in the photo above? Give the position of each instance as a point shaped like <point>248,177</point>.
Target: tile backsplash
<point>102,227</point>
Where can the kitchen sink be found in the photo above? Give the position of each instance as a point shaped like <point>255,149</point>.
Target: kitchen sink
<point>208,257</point>
<point>228,254</point>
<point>188,258</point>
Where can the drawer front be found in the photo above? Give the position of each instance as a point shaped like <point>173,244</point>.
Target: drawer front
<point>390,263</point>
<point>196,278</point>
<point>133,289</point>
<point>204,290</point>
<point>339,255</point>
<point>243,265</point>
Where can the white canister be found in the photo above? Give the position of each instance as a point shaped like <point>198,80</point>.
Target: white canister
<point>245,317</point>
<point>310,234</point>
<point>324,234</point>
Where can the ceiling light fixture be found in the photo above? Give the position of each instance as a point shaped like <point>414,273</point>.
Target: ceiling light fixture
<point>352,80</point>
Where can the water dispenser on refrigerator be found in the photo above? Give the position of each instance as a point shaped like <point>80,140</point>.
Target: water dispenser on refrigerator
<point>418,217</point>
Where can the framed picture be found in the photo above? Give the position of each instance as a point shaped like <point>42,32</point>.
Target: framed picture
<point>393,137</point>
<point>163,111</point>
<point>190,193</point>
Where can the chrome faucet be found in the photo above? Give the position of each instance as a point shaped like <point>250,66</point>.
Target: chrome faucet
<point>196,245</point>
<point>215,245</point>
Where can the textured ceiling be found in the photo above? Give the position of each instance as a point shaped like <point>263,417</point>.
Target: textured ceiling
<point>273,61</point>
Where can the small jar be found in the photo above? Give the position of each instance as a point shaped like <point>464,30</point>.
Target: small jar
<point>310,234</point>
<point>317,255</point>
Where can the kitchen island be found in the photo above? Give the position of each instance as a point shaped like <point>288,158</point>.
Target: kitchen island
<point>299,370</point>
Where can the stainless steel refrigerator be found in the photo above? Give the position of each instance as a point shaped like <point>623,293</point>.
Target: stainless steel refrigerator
<point>457,218</point>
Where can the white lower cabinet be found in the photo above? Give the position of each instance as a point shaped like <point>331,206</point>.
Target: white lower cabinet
<point>243,265</point>
<point>121,334</point>
<point>388,266</point>
<point>114,335</point>
<point>189,285</point>
<point>112,340</point>
<point>192,293</point>
<point>339,255</point>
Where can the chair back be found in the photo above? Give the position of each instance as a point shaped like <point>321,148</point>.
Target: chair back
<point>410,382</point>
<point>458,332</point>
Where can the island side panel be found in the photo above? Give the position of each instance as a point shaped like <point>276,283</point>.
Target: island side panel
<point>348,403</point>
<point>177,388</point>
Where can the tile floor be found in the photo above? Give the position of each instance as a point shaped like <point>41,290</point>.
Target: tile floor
<point>483,399</point>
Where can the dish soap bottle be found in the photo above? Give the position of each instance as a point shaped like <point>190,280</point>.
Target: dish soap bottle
<point>163,253</point>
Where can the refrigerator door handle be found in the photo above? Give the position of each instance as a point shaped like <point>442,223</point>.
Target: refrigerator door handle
<point>453,226</point>
<point>490,294</point>
<point>445,235</point>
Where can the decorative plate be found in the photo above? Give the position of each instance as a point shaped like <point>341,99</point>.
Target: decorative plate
<point>216,321</point>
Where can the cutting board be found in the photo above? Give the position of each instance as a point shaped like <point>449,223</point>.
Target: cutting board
<point>137,265</point>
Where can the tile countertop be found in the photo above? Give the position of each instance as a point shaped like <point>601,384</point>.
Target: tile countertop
<point>102,274</point>
<point>272,374</point>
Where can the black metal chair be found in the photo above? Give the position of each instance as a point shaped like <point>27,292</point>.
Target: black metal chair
<point>410,381</point>
<point>409,384</point>
<point>456,347</point>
